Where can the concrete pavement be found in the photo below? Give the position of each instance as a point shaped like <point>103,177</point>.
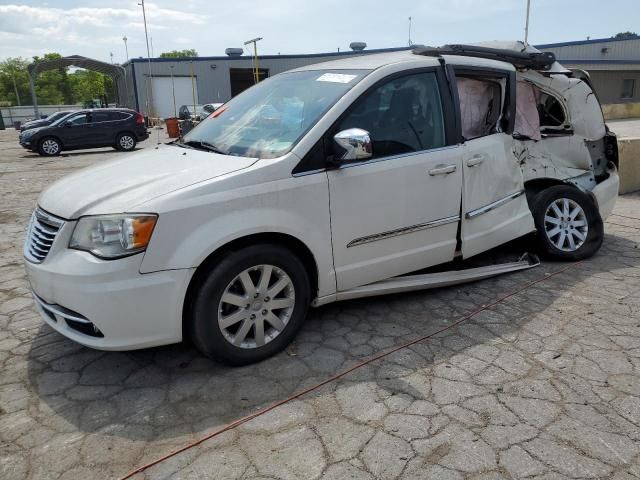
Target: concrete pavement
<point>544,385</point>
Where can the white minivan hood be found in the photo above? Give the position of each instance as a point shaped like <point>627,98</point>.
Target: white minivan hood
<point>118,186</point>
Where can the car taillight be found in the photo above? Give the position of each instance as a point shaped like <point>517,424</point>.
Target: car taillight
<point>139,119</point>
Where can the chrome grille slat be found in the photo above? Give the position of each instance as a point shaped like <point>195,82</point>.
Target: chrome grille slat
<point>41,233</point>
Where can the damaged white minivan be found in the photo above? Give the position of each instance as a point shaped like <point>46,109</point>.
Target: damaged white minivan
<point>329,182</point>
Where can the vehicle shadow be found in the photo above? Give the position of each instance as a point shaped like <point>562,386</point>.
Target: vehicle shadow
<point>167,392</point>
<point>78,153</point>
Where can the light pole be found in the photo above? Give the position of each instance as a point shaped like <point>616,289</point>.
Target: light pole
<point>410,42</point>
<point>126,49</point>
<point>256,69</point>
<point>111,54</point>
<point>526,25</point>
<point>150,79</point>
<point>173,90</point>
<point>15,87</point>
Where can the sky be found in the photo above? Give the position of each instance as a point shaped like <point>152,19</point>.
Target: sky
<point>95,28</point>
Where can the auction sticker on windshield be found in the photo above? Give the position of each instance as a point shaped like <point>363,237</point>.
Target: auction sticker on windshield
<point>335,77</point>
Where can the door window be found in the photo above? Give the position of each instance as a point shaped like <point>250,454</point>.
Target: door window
<point>78,119</point>
<point>401,116</point>
<point>480,105</point>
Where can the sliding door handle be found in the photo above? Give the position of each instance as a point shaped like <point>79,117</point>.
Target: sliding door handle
<point>442,170</point>
<point>475,160</point>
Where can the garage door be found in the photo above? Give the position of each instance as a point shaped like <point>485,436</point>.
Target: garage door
<point>163,96</point>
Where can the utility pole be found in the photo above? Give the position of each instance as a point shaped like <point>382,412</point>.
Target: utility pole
<point>256,66</point>
<point>111,54</point>
<point>526,25</point>
<point>410,42</point>
<point>15,87</point>
<point>126,49</point>
<point>150,79</point>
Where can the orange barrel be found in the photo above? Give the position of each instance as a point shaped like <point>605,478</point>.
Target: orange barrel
<point>172,127</point>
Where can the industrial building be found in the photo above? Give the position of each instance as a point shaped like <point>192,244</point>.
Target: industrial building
<point>206,79</point>
<point>613,65</point>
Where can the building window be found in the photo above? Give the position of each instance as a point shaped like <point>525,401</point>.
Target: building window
<point>628,88</point>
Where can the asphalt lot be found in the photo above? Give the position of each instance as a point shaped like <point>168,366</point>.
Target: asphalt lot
<point>544,384</point>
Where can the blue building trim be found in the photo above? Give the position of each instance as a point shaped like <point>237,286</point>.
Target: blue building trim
<point>268,57</point>
<point>584,42</point>
<point>603,62</point>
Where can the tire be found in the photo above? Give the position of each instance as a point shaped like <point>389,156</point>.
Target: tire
<point>49,147</point>
<point>568,223</point>
<point>126,142</point>
<point>237,341</point>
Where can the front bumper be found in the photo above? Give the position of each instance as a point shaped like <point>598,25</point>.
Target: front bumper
<point>129,309</point>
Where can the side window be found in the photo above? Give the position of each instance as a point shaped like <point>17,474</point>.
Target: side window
<point>402,116</point>
<point>118,116</point>
<point>480,105</point>
<point>78,119</point>
<point>551,111</point>
<point>100,117</point>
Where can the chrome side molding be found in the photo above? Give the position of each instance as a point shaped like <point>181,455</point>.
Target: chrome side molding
<point>402,231</point>
<point>491,206</point>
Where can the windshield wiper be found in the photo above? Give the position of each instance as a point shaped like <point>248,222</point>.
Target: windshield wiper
<point>205,146</point>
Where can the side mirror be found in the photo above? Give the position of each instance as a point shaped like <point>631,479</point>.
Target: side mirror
<point>68,124</point>
<point>351,145</point>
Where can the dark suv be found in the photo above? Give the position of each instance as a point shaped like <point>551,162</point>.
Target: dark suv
<point>120,128</point>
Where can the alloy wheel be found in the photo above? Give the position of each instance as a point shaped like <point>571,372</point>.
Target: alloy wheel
<point>126,142</point>
<point>50,147</point>
<point>256,306</point>
<point>566,225</point>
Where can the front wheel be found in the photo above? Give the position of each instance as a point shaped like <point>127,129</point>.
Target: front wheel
<point>251,305</point>
<point>49,147</point>
<point>568,223</point>
<point>125,142</point>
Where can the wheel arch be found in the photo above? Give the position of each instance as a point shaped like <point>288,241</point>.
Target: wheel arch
<point>536,185</point>
<point>55,137</point>
<point>290,242</point>
<point>122,132</point>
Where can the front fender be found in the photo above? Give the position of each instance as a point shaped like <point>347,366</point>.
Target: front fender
<point>201,223</point>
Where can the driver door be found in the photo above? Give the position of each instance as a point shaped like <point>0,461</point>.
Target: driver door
<point>76,130</point>
<point>398,211</point>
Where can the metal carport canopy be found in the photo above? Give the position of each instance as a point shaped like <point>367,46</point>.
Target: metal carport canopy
<point>113,70</point>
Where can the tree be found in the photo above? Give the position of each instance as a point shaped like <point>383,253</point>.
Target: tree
<point>14,81</point>
<point>189,52</point>
<point>626,34</point>
<point>53,87</point>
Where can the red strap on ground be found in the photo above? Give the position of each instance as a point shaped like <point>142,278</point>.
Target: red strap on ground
<point>257,413</point>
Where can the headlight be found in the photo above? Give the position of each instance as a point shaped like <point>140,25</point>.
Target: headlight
<point>113,236</point>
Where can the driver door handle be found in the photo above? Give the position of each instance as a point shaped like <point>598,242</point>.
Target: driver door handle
<point>442,170</point>
<point>475,160</point>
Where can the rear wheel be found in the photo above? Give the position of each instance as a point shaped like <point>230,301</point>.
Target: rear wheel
<point>568,223</point>
<point>125,142</point>
<point>251,305</point>
<point>49,146</point>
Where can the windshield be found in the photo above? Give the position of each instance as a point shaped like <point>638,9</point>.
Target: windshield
<point>61,119</point>
<point>268,119</point>
<point>55,116</point>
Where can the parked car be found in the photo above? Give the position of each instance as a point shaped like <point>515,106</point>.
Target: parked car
<point>318,185</point>
<point>187,112</point>
<point>120,128</point>
<point>43,122</point>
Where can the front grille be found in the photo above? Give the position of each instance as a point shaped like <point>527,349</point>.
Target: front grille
<point>41,233</point>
